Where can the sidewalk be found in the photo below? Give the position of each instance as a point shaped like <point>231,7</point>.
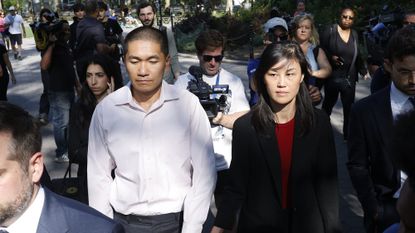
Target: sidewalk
<point>26,93</point>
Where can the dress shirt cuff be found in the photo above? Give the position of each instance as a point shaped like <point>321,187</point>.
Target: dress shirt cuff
<point>191,227</point>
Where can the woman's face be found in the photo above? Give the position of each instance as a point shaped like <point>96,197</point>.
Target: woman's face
<point>346,18</point>
<point>303,32</point>
<point>283,81</point>
<point>97,80</point>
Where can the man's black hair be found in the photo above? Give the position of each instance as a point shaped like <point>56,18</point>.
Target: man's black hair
<point>144,4</point>
<point>148,34</point>
<point>102,6</point>
<point>91,6</point>
<point>78,7</point>
<point>401,44</point>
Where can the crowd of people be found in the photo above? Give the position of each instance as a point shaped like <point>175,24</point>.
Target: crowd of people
<point>156,153</point>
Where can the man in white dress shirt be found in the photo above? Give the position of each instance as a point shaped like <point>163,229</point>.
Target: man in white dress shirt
<point>210,47</point>
<point>156,138</point>
<point>26,206</point>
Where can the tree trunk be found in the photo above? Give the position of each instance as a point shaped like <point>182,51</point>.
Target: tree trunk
<point>229,6</point>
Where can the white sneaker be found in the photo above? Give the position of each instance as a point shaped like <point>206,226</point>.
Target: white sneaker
<point>63,159</point>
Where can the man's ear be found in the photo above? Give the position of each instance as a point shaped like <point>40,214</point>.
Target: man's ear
<point>168,63</point>
<point>388,65</point>
<point>36,167</point>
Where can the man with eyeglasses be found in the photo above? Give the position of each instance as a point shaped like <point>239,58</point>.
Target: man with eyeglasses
<point>372,168</point>
<point>210,46</point>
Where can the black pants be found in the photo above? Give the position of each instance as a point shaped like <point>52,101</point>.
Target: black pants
<point>165,223</point>
<point>346,88</point>
<point>4,83</point>
<point>44,100</point>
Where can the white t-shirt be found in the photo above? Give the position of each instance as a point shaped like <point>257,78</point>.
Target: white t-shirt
<point>15,22</point>
<point>237,102</point>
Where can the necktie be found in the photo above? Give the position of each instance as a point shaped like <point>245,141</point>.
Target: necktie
<point>412,100</point>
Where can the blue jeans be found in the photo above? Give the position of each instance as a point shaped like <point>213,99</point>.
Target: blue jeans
<point>60,104</point>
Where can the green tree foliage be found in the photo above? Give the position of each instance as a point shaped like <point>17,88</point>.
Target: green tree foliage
<point>16,3</point>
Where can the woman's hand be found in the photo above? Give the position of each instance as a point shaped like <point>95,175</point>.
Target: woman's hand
<point>216,229</point>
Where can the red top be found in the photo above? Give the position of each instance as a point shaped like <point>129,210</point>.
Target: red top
<point>285,135</point>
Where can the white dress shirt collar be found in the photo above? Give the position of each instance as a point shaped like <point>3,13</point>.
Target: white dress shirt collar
<point>29,220</point>
<point>399,101</point>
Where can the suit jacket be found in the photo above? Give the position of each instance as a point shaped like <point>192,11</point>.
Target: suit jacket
<point>63,215</point>
<point>255,181</point>
<point>371,167</point>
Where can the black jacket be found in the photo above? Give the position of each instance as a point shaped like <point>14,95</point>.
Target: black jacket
<point>255,186</point>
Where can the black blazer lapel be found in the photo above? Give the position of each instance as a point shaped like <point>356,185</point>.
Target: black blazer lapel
<point>382,112</point>
<point>269,148</point>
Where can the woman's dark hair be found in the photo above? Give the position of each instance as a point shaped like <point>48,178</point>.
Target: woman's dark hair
<point>87,99</point>
<point>263,115</point>
<point>44,10</point>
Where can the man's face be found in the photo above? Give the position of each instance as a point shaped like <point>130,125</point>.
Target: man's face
<point>409,19</point>
<point>80,14</point>
<point>101,14</point>
<point>146,16</point>
<point>13,12</point>
<point>210,60</point>
<point>145,63</point>
<point>403,74</point>
<point>16,187</point>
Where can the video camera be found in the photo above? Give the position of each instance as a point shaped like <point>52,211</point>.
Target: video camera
<point>204,92</point>
<point>42,30</point>
<point>379,31</point>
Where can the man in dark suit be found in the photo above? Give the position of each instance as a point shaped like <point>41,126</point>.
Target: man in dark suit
<point>375,177</point>
<point>25,206</point>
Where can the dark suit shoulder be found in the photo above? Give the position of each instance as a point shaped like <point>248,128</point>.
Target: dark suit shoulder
<point>365,103</point>
<point>79,217</point>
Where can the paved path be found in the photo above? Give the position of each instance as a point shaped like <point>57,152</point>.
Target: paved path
<point>27,91</point>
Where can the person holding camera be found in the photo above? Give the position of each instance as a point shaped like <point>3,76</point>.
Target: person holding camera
<point>57,61</point>
<point>210,47</point>
<point>340,42</point>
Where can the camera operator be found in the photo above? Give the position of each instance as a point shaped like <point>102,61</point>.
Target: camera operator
<point>57,60</point>
<point>210,48</point>
<point>381,78</point>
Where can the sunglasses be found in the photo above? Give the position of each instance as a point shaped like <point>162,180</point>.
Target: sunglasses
<point>208,58</point>
<point>347,17</point>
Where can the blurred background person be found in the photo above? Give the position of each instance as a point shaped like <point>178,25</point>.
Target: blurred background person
<point>113,35</point>
<point>79,14</point>
<point>17,31</point>
<point>300,8</point>
<point>340,42</point>
<point>283,174</point>
<point>6,72</point>
<point>99,83</point>
<point>305,33</point>
<point>4,31</point>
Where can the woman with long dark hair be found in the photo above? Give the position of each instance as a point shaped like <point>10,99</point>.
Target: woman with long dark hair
<point>284,170</point>
<point>99,82</point>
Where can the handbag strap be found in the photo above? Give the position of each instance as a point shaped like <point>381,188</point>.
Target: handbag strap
<point>68,171</point>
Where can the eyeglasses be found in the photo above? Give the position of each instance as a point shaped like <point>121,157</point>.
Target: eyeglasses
<point>208,58</point>
<point>347,17</point>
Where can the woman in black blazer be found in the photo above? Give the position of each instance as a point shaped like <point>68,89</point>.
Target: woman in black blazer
<point>284,169</point>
